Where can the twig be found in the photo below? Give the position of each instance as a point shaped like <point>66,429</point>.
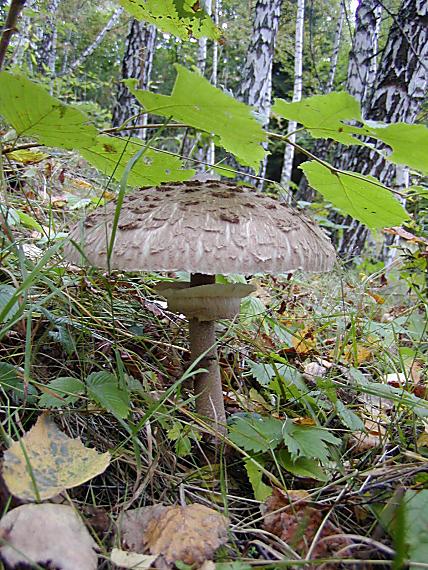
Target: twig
<point>10,27</point>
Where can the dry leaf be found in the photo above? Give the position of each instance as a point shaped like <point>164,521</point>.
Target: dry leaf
<point>374,436</point>
<point>52,460</point>
<point>132,560</point>
<point>289,516</point>
<point>191,534</point>
<point>45,534</point>
<point>304,341</point>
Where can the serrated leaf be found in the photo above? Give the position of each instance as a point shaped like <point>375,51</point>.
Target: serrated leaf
<point>32,112</point>
<point>302,466</point>
<point>61,392</point>
<point>362,197</point>
<point>197,103</point>
<point>324,115</point>
<point>111,155</point>
<point>12,380</point>
<point>308,441</point>
<point>256,433</point>
<point>349,418</point>
<point>103,388</point>
<point>409,144</point>
<point>262,372</point>
<point>261,490</point>
<point>182,18</point>
<point>52,462</point>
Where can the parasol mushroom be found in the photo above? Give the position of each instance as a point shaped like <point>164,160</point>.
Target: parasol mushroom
<point>203,228</point>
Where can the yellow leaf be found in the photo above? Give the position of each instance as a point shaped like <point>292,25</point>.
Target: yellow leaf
<point>358,356</point>
<point>45,462</point>
<point>305,341</point>
<point>27,156</point>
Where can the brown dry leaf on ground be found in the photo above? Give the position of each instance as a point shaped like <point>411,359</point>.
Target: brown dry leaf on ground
<point>289,516</point>
<point>191,534</point>
<point>52,461</point>
<point>45,534</point>
<point>133,560</point>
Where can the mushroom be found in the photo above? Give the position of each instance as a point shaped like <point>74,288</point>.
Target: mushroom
<point>203,228</point>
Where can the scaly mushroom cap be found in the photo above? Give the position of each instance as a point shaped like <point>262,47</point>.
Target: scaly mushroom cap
<point>203,227</point>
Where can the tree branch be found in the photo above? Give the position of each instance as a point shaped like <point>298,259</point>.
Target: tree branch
<point>10,27</point>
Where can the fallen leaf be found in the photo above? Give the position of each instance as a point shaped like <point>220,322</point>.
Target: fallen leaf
<point>291,518</point>
<point>190,534</point>
<point>47,534</point>
<point>27,156</point>
<point>132,560</point>
<point>304,341</point>
<point>374,436</point>
<point>49,460</point>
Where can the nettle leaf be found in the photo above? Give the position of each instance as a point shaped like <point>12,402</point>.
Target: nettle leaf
<point>349,418</point>
<point>182,18</point>
<point>409,144</point>
<point>255,474</point>
<point>61,392</point>
<point>32,112</point>
<point>362,197</point>
<point>308,441</point>
<point>324,115</point>
<point>103,388</point>
<point>302,466</point>
<point>111,155</point>
<point>256,433</point>
<point>197,103</point>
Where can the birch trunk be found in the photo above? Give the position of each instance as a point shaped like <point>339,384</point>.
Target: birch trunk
<point>23,36</point>
<point>256,84</point>
<point>203,42</point>
<point>46,49</point>
<point>336,49</point>
<point>397,94</point>
<point>287,166</point>
<point>137,64</point>
<point>93,46</point>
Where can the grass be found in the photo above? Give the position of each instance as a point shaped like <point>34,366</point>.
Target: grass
<point>311,350</point>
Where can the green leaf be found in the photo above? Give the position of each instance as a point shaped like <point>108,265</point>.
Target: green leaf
<point>29,222</point>
<point>111,155</point>
<point>12,380</point>
<point>349,418</point>
<point>263,373</point>
<point>308,441</point>
<point>197,103</point>
<point>182,18</point>
<point>256,433</point>
<point>103,388</point>
<point>32,112</point>
<point>68,390</point>
<point>302,466</point>
<point>409,144</point>
<point>261,490</point>
<point>415,505</point>
<point>324,115</point>
<point>362,197</point>
<point>7,309</point>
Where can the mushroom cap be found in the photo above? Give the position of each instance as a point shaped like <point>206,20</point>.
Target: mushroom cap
<point>202,227</point>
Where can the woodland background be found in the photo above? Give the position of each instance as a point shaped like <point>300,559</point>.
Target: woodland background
<point>325,460</point>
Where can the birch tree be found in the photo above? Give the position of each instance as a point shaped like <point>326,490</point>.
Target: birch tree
<point>398,91</point>
<point>137,64</point>
<point>256,83</point>
<point>287,166</point>
<point>46,48</point>
<point>336,49</point>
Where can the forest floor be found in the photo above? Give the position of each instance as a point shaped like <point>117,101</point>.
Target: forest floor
<point>325,461</point>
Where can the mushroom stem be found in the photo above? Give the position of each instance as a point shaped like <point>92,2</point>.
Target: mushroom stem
<point>207,385</point>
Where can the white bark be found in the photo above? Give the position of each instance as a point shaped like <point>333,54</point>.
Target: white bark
<point>287,166</point>
<point>203,42</point>
<point>93,46</point>
<point>46,48</point>
<point>362,58</point>
<point>336,48</point>
<point>23,36</point>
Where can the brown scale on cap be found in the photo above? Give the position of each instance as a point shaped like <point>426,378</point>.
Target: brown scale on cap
<point>204,227</point>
